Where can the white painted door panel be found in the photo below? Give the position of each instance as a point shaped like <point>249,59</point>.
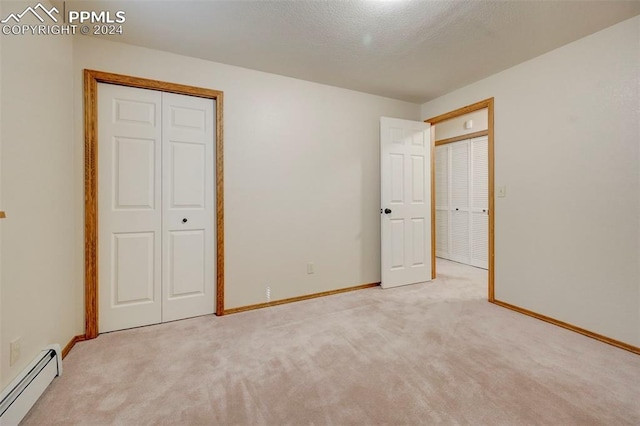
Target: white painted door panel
<point>129,207</point>
<point>188,199</point>
<point>405,191</point>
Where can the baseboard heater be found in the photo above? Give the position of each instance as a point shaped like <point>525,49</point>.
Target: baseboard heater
<point>18,398</point>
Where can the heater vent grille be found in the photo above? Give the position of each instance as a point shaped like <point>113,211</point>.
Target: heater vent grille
<point>18,398</point>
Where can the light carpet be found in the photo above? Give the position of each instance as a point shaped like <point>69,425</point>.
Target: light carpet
<point>434,353</point>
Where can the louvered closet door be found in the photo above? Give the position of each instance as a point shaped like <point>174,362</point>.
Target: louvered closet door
<point>479,197</point>
<point>459,225</point>
<point>442,201</point>
<point>462,200</point>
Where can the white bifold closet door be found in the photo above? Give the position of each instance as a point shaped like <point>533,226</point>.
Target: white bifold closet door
<point>462,202</point>
<point>155,205</point>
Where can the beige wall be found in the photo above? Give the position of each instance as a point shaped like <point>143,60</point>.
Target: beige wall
<point>567,149</point>
<point>455,126</point>
<point>38,285</point>
<point>301,171</point>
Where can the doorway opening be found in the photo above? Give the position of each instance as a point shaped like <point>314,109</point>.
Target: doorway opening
<point>91,80</point>
<point>489,134</point>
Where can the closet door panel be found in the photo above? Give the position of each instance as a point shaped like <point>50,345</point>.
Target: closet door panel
<point>479,240</point>
<point>479,198</point>
<point>479,173</point>
<point>460,175</point>
<point>442,201</point>
<point>460,236</point>
<point>442,234</point>
<point>129,207</point>
<point>459,202</point>
<point>188,128</point>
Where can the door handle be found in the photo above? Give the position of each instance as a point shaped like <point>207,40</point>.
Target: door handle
<point>387,211</point>
<point>184,220</point>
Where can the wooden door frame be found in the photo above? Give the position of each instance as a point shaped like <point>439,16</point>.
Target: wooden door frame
<point>91,80</point>
<point>488,104</point>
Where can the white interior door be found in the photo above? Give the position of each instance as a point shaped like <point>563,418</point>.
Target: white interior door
<point>130,207</point>
<point>188,199</point>
<point>406,202</point>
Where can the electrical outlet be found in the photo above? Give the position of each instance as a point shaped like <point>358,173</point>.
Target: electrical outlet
<point>310,268</point>
<point>502,191</point>
<point>268,294</point>
<point>14,347</point>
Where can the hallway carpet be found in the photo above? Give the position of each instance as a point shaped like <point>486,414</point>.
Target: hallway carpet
<point>434,353</point>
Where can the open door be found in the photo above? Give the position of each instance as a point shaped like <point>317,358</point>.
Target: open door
<point>405,163</point>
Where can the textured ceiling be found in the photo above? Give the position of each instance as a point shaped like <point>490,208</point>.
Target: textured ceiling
<point>413,51</point>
